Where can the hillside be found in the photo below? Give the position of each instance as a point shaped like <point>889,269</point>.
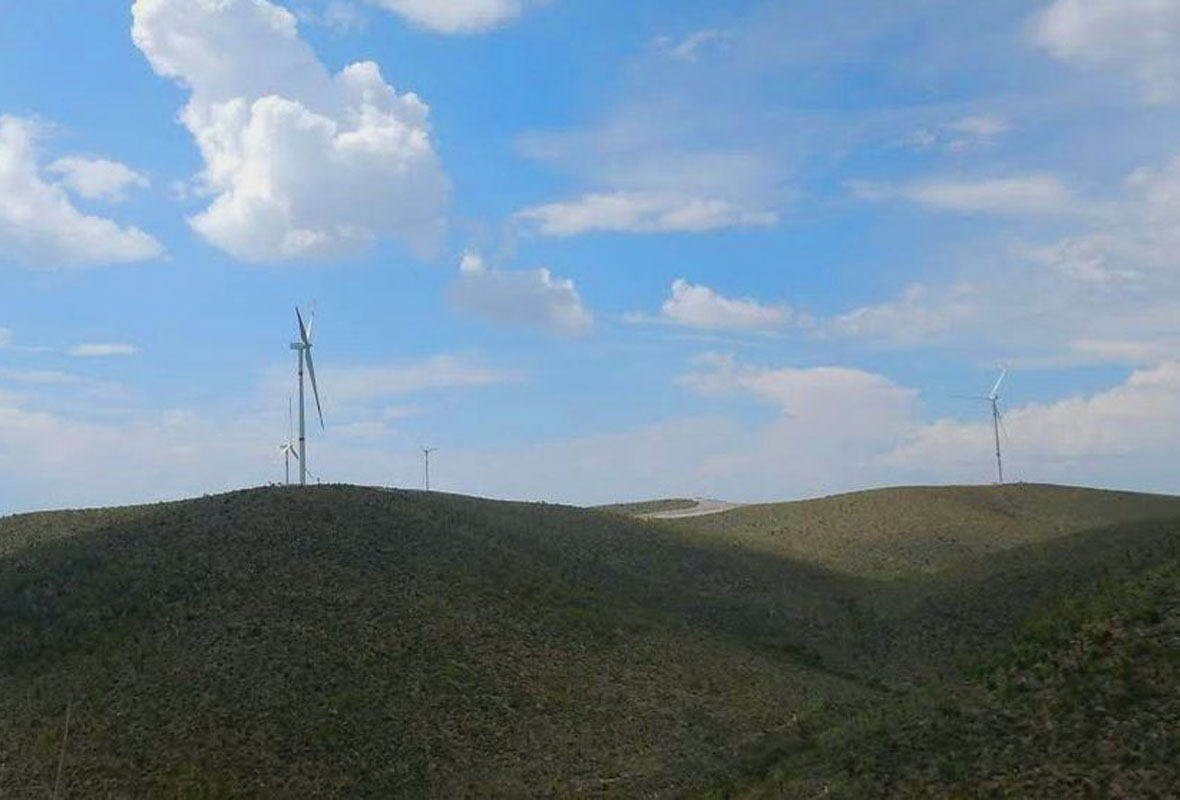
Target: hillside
<point>339,641</point>
<point>892,533</point>
<point>1085,703</point>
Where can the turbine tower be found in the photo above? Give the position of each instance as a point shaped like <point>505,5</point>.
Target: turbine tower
<point>426,451</point>
<point>993,397</point>
<point>304,348</point>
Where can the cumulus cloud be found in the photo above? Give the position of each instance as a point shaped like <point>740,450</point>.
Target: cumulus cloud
<point>98,178</point>
<point>644,212</point>
<point>1134,36</point>
<point>698,306</point>
<point>528,298</point>
<point>103,350</point>
<point>300,163</point>
<point>458,16</point>
<point>40,225</point>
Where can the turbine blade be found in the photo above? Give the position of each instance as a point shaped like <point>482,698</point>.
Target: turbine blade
<point>996,389</point>
<point>302,330</point>
<point>311,322</point>
<point>314,389</point>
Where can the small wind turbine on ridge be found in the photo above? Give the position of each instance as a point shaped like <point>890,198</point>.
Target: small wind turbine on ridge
<point>426,451</point>
<point>993,397</point>
<point>288,448</point>
<point>304,348</point>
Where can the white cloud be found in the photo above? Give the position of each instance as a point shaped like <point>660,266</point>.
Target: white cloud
<point>1028,194</point>
<point>98,178</point>
<point>843,397</point>
<point>917,317</point>
<point>5,338</point>
<point>40,226</point>
<point>1136,36</point>
<point>530,298</point>
<point>980,126</point>
<point>458,16</point>
<point>1125,351</point>
<point>103,350</point>
<point>42,377</point>
<point>701,307</point>
<point>1025,194</point>
<point>367,383</point>
<point>960,134</point>
<point>644,212</point>
<point>301,163</point>
<point>690,47</point>
<point>343,17</point>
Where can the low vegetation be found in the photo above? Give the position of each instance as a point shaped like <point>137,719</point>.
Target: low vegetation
<point>339,641</point>
<point>644,507</point>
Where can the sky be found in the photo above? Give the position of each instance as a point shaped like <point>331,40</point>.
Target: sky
<point>590,251</point>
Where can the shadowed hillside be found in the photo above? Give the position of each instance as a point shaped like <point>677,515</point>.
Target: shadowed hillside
<point>340,641</point>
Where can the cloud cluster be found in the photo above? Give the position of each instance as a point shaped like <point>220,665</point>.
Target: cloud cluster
<point>526,298</point>
<point>39,223</point>
<point>1135,36</point>
<point>458,16</point>
<point>300,163</point>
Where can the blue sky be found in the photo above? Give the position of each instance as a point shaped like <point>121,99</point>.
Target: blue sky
<point>591,251</point>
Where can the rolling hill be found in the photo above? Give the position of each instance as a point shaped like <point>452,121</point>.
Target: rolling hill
<point>340,641</point>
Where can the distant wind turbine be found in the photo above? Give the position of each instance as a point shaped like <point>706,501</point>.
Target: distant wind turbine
<point>288,448</point>
<point>993,397</point>
<point>426,451</point>
<point>304,348</point>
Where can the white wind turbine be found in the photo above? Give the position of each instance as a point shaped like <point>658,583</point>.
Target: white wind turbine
<point>288,447</point>
<point>993,397</point>
<point>304,348</point>
<point>426,451</point>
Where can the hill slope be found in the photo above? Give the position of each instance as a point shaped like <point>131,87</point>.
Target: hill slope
<point>339,641</point>
<point>891,533</point>
<point>359,642</point>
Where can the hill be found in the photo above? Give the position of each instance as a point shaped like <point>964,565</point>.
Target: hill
<point>339,641</point>
<point>892,533</point>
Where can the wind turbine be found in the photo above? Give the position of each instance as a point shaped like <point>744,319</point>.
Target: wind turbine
<point>288,447</point>
<point>426,451</point>
<point>993,397</point>
<point>304,348</point>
